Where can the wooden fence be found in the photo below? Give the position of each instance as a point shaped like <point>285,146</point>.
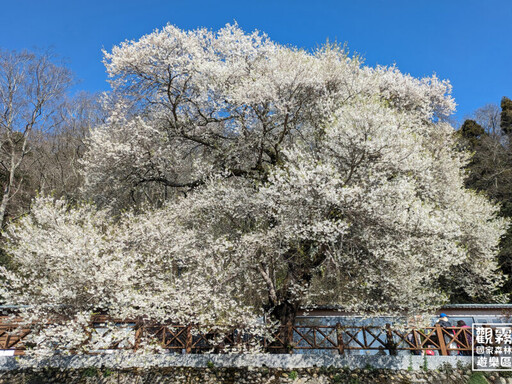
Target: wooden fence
<point>289,339</point>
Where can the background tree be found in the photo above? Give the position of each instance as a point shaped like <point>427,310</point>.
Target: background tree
<point>506,115</point>
<point>54,167</point>
<point>490,168</point>
<point>31,90</point>
<point>473,133</point>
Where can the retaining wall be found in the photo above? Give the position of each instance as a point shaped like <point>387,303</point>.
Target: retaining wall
<point>245,369</point>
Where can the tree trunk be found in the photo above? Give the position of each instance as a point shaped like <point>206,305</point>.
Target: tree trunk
<point>285,313</point>
<point>5,198</point>
<point>285,304</point>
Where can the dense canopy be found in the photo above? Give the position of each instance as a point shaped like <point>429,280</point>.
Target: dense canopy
<point>235,177</point>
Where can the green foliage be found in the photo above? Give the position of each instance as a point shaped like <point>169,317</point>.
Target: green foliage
<point>293,375</point>
<point>446,368</point>
<point>327,370</point>
<point>506,115</point>
<point>210,364</point>
<point>490,172</point>
<point>90,372</point>
<point>337,379</point>
<point>463,367</point>
<point>477,378</point>
<point>506,374</point>
<point>425,363</point>
<point>472,132</point>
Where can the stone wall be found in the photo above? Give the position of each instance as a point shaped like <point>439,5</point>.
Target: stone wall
<point>260,375</point>
<point>247,369</point>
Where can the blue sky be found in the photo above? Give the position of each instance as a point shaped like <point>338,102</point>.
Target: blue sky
<point>468,42</point>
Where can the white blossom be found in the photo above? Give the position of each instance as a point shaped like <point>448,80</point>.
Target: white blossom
<point>237,177</point>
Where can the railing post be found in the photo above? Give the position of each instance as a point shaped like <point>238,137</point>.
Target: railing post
<point>138,335</point>
<point>416,342</point>
<point>188,339</point>
<point>389,340</point>
<point>339,339</point>
<point>440,338</point>
<point>289,337</point>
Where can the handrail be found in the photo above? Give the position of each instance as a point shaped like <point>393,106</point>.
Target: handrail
<point>288,339</point>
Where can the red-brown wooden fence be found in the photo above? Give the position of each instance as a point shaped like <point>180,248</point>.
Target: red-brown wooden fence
<point>291,339</point>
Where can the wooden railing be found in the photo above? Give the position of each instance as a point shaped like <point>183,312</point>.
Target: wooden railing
<point>291,339</point>
<point>11,337</point>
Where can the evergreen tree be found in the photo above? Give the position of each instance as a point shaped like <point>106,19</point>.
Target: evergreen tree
<point>472,132</point>
<point>506,115</point>
<point>490,168</point>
